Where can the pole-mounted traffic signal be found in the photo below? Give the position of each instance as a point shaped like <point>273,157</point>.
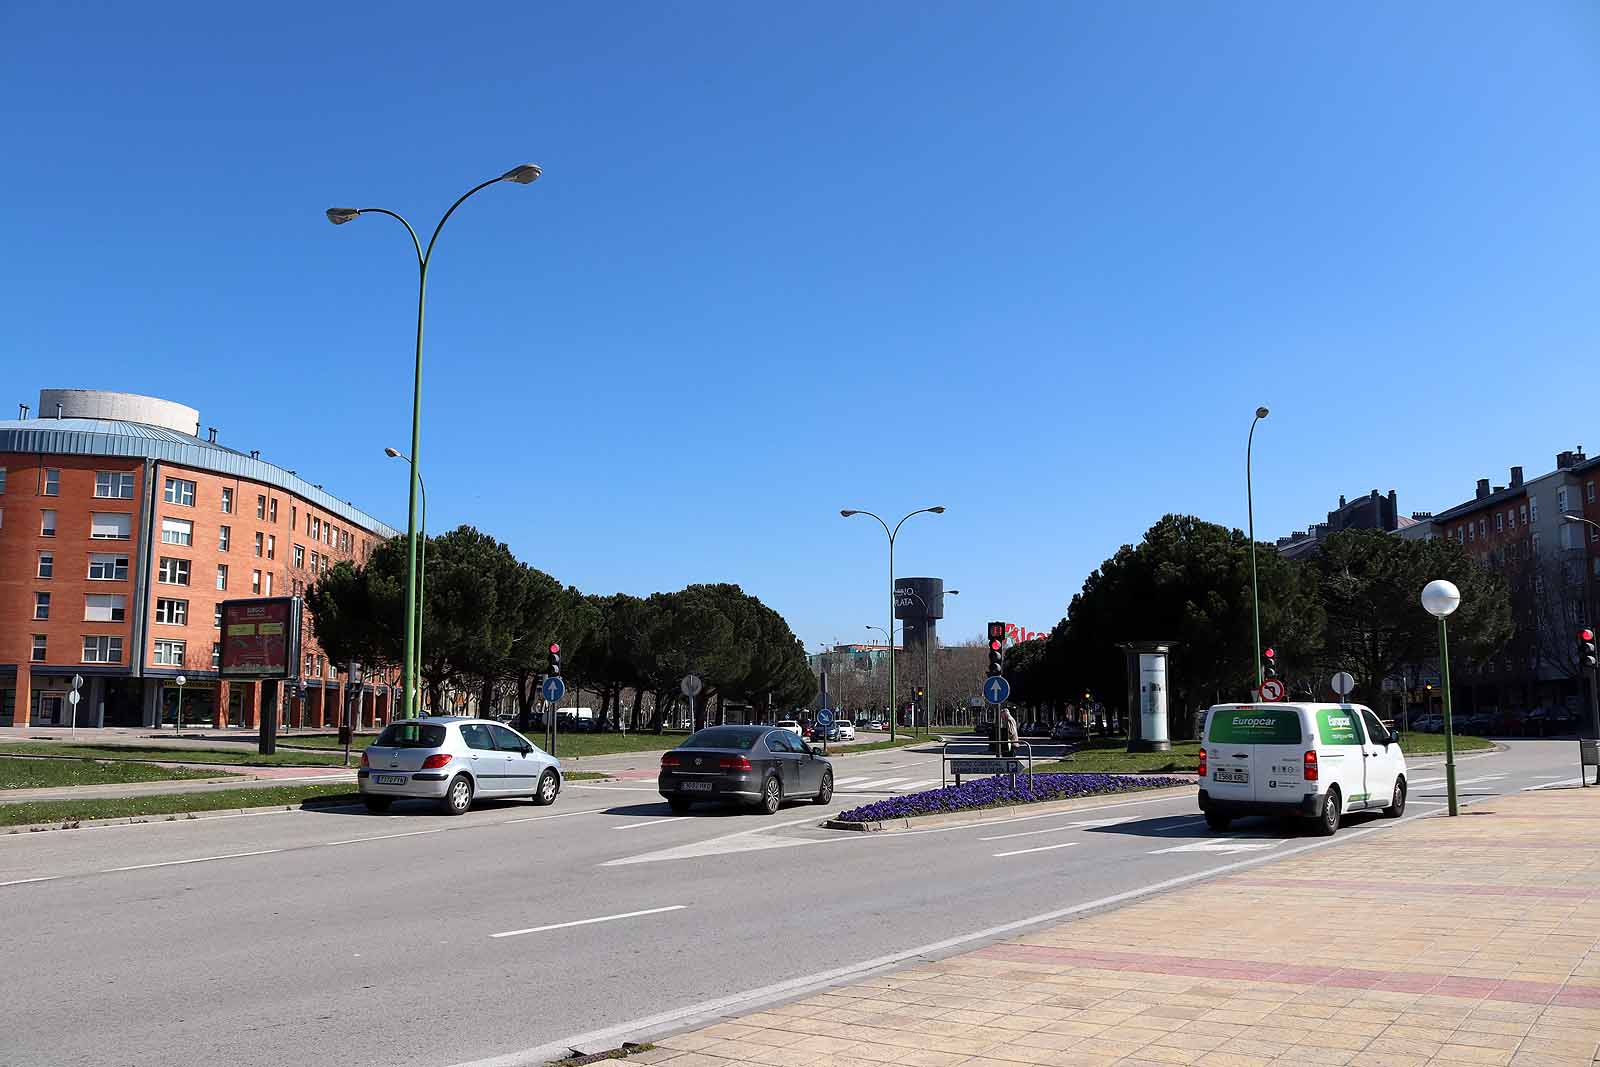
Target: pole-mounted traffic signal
<point>920,691</point>
<point>555,661</point>
<point>997,641</point>
<point>1586,648</point>
<point>1269,663</point>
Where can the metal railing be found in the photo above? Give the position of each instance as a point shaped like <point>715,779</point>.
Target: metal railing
<point>993,764</point>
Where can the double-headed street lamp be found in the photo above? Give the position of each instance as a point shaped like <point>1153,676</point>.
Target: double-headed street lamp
<point>522,175</point>
<point>1439,599</point>
<point>1250,508</point>
<point>422,566</point>
<point>894,710</point>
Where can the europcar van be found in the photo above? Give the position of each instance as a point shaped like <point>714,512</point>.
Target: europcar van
<point>1316,761</point>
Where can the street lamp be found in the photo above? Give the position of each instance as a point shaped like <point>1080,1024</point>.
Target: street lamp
<point>521,175</point>
<point>1250,507</point>
<point>894,710</point>
<point>927,657</point>
<point>422,564</point>
<point>1439,599</point>
<point>177,727</point>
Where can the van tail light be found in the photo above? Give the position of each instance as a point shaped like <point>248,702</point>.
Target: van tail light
<point>1311,766</point>
<point>734,763</point>
<point>364,762</point>
<point>435,761</point>
<point>670,760</point>
<point>1202,768</point>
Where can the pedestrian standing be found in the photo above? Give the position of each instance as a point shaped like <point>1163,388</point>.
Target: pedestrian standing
<point>1012,736</point>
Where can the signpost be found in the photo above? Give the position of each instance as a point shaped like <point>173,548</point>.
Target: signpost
<point>72,700</point>
<point>552,690</point>
<point>1272,691</point>
<point>692,686</point>
<point>824,720</point>
<point>346,729</point>
<point>1344,684</point>
<point>996,689</point>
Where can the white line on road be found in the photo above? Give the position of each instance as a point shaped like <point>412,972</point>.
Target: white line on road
<point>1430,781</point>
<point>881,782</point>
<point>649,822</point>
<point>25,881</point>
<point>1555,785</point>
<point>388,837</point>
<point>590,922</point>
<point>559,815</point>
<point>1041,848</point>
<point>197,859</point>
<point>1219,844</point>
<point>1030,833</point>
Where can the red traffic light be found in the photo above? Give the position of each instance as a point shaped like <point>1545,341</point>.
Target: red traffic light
<point>554,649</point>
<point>1267,652</point>
<point>994,646</point>
<point>1585,635</point>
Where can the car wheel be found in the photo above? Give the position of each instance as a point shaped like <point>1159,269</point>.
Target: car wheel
<point>549,786</point>
<point>1216,820</point>
<point>458,797</point>
<point>377,805</point>
<point>825,794</point>
<point>1328,824</point>
<point>678,805</point>
<point>1397,804</point>
<point>771,797</point>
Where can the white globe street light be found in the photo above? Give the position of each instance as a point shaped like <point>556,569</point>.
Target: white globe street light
<point>1439,599</point>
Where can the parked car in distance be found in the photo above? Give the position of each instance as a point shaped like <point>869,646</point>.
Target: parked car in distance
<point>875,724</point>
<point>1069,731</point>
<point>847,731</point>
<point>792,726</point>
<point>747,765</point>
<point>454,760</point>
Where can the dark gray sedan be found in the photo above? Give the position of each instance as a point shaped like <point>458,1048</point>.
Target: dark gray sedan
<point>757,765</point>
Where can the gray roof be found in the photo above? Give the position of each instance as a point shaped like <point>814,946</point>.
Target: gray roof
<point>134,440</point>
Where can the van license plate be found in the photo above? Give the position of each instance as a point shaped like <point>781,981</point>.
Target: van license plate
<point>1230,774</point>
<point>391,779</point>
<point>696,787</point>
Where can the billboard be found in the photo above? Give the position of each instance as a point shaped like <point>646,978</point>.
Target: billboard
<point>261,637</point>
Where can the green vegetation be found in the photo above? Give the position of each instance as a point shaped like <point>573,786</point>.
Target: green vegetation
<point>72,811</point>
<point>45,773</point>
<point>1413,743</point>
<point>240,756</point>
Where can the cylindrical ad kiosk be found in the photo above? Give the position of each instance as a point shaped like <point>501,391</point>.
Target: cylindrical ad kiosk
<point>1148,729</point>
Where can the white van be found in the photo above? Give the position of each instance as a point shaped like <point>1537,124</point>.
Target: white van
<point>1316,761</point>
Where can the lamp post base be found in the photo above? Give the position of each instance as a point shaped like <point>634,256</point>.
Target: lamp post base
<point>1149,746</point>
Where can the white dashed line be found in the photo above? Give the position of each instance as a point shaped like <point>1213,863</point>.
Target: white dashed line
<point>590,922</point>
<point>1041,848</point>
<point>197,859</point>
<point>387,837</point>
<point>649,822</point>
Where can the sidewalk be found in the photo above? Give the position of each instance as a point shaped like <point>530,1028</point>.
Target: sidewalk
<point>1473,940</point>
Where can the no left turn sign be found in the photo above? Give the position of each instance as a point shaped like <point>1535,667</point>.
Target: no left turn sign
<point>1272,690</point>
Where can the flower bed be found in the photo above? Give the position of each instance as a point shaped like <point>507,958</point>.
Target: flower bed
<point>997,791</point>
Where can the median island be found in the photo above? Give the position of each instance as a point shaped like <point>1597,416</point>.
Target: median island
<point>1000,791</point>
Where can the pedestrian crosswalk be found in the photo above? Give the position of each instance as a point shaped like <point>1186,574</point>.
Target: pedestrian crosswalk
<point>868,783</point>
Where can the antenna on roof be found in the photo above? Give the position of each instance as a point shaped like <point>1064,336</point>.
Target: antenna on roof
<point>23,412</point>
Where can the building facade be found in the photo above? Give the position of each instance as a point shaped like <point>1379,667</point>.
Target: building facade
<point>121,532</point>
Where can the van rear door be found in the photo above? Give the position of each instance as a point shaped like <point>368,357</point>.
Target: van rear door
<point>1242,745</point>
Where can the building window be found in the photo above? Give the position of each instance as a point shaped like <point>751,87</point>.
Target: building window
<point>1483,528</point>
<point>41,605</point>
<point>222,576</point>
<point>105,567</point>
<point>1588,492</point>
<point>261,506</point>
<point>100,649</point>
<point>268,588</point>
<point>1561,499</point>
<point>227,501</point>
<point>272,546</point>
<point>172,612</point>
<point>1533,509</point>
<point>300,556</point>
<point>311,664</point>
<point>105,607</point>
<point>216,617</point>
<point>1522,513</point>
<point>173,571</point>
<point>316,528</point>
<point>179,491</point>
<point>315,561</point>
<point>47,524</point>
<point>110,526</point>
<point>40,646</point>
<point>1534,540</point>
<point>260,543</point>
<point>224,538</point>
<point>2,479</point>
<point>115,485</point>
<point>294,517</point>
<point>1499,522</point>
<point>47,564</point>
<point>169,653</point>
<point>272,510</point>
<point>216,656</point>
<point>255,582</point>
<point>1470,535</point>
<point>52,482</point>
<point>177,532</point>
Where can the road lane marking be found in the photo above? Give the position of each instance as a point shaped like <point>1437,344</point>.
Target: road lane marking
<point>197,859</point>
<point>879,783</point>
<point>1224,845</point>
<point>558,815</point>
<point>650,822</point>
<point>25,881</point>
<point>388,837</point>
<point>1041,848</point>
<point>1555,785</point>
<point>1030,833</point>
<point>1430,781</point>
<point>590,922</point>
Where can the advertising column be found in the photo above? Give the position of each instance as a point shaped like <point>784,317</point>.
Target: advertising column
<point>1148,729</point>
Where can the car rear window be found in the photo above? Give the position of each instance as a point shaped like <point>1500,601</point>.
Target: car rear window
<point>723,737</point>
<point>1255,726</point>
<point>411,735</point>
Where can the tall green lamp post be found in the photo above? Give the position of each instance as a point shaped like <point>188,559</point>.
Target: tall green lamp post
<point>522,175</point>
<point>1250,508</point>
<point>1439,599</point>
<point>894,709</point>
<point>422,567</point>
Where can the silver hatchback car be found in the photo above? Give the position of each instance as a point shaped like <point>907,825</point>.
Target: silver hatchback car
<point>452,760</point>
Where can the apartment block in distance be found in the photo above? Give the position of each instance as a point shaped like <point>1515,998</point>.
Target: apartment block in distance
<point>121,531</point>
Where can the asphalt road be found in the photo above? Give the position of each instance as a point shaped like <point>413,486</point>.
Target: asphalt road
<point>413,938</point>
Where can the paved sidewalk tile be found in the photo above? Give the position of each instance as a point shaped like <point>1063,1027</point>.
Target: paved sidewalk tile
<point>1443,943</point>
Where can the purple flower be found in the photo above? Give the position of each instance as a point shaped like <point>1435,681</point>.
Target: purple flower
<point>998,790</point>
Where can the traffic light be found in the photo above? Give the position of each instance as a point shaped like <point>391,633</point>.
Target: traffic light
<point>997,631</point>
<point>1269,663</point>
<point>920,691</point>
<point>1586,648</point>
<point>555,661</point>
<point>996,660</point>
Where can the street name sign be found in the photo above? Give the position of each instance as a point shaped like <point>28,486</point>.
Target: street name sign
<point>985,766</point>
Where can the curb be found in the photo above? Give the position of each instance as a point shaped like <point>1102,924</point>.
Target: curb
<point>981,815</point>
<point>171,762</point>
<point>175,816</point>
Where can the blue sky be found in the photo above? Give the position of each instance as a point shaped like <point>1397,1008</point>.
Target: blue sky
<point>1034,262</point>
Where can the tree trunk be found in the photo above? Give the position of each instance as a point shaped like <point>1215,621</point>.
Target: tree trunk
<point>633,716</point>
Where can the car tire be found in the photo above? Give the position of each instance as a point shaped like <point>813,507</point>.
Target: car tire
<point>1327,824</point>
<point>1397,805</point>
<point>678,805</point>
<point>377,805</point>
<point>457,796</point>
<point>771,797</point>
<point>1216,820</point>
<point>825,794</point>
<point>549,786</point>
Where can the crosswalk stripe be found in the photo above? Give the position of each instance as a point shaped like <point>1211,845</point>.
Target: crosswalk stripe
<point>879,782</point>
<point>857,780</point>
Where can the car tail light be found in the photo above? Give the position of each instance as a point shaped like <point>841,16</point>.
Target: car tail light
<point>435,761</point>
<point>364,762</point>
<point>1311,766</point>
<point>1202,769</point>
<point>733,763</point>
<point>670,760</point>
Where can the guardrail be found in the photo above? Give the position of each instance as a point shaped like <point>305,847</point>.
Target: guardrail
<point>955,764</point>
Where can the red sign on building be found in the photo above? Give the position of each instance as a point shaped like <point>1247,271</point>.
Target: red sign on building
<point>261,637</point>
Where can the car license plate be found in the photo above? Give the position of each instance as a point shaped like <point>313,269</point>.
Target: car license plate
<point>391,779</point>
<point>1231,774</point>
<point>696,787</point>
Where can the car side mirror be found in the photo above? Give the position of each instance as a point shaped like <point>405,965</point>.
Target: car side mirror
<point>815,750</point>
<point>527,750</point>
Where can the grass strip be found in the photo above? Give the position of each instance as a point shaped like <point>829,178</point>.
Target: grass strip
<point>233,757</point>
<point>69,812</point>
<point>22,773</point>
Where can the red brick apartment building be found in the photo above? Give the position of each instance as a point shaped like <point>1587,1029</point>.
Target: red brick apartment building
<point>121,530</point>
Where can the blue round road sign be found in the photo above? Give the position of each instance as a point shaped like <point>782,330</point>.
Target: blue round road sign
<point>824,717</point>
<point>996,689</point>
<point>553,689</point>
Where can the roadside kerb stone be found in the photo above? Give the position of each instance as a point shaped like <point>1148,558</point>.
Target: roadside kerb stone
<point>1000,814</point>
